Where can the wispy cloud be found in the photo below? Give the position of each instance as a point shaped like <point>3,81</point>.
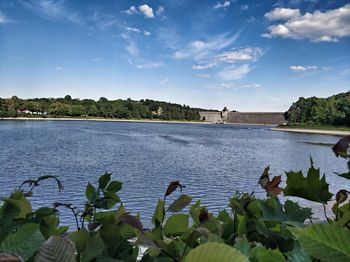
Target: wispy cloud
<point>200,50</point>
<point>203,75</point>
<point>131,10</point>
<point>222,5</point>
<point>59,68</point>
<point>133,29</point>
<point>240,54</point>
<point>50,9</point>
<point>144,64</point>
<point>318,26</point>
<point>203,67</point>
<point>300,68</point>
<point>3,18</point>
<point>244,7</point>
<point>164,81</point>
<point>234,72</point>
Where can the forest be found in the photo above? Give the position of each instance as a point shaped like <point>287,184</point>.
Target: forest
<point>331,111</point>
<point>69,107</point>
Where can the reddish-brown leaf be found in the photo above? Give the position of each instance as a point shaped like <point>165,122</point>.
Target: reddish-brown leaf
<point>264,178</point>
<point>172,187</point>
<point>272,186</point>
<point>341,148</point>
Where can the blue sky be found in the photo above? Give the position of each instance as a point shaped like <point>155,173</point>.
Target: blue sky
<point>246,55</point>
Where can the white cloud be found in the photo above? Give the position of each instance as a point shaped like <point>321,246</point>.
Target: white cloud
<point>302,68</point>
<point>244,7</point>
<point>199,50</point>
<point>132,10</point>
<point>147,11</point>
<point>318,26</point>
<point>133,29</point>
<point>203,67</point>
<point>227,85</point>
<point>53,10</point>
<point>234,73</point>
<point>203,75</point>
<point>240,54</point>
<point>146,33</point>
<point>224,5</point>
<point>282,14</point>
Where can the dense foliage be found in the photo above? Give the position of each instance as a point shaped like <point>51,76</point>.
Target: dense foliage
<point>250,229</point>
<point>334,110</point>
<point>68,107</point>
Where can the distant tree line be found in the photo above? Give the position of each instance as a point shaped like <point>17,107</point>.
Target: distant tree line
<point>69,107</point>
<point>334,110</point>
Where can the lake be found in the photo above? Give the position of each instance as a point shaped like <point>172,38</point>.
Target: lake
<point>212,161</point>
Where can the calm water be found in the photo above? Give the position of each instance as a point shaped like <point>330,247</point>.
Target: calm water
<point>213,161</point>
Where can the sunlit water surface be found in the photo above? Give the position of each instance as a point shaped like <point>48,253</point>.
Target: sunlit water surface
<point>212,161</point>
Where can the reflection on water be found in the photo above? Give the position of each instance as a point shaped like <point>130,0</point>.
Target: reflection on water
<point>213,161</point>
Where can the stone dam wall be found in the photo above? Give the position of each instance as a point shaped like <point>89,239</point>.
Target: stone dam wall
<point>261,118</point>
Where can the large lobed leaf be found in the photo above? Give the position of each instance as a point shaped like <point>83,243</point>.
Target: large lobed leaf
<point>215,252</point>
<point>24,242</point>
<point>327,242</point>
<point>273,210</point>
<point>310,187</point>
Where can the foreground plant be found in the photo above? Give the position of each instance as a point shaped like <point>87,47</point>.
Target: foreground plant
<point>249,229</point>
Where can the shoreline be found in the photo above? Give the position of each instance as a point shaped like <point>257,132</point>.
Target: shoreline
<point>312,131</point>
<point>100,120</point>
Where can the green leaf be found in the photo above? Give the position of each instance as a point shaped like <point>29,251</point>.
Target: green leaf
<point>228,226</point>
<point>114,186</point>
<point>310,187</point>
<point>80,238</point>
<point>261,254</point>
<point>180,203</point>
<point>16,206</point>
<point>176,225</point>
<point>327,242</point>
<point>103,180</point>
<point>48,225</point>
<point>90,192</point>
<point>93,247</point>
<point>213,251</point>
<point>243,246</point>
<point>241,225</point>
<point>56,249</point>
<point>158,215</point>
<point>24,242</point>
<point>272,210</point>
<point>298,254</point>
<point>345,175</point>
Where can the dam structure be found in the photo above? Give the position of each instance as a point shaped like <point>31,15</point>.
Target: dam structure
<point>233,117</point>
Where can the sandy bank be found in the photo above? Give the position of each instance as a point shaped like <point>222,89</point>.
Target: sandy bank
<point>313,131</point>
<point>101,120</point>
